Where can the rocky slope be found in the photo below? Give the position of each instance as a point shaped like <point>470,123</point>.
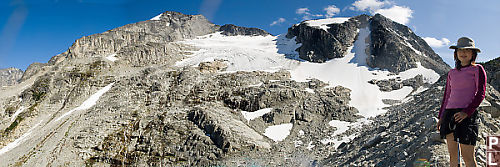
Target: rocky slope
<point>121,98</point>
<point>10,76</point>
<point>493,72</point>
<point>407,133</point>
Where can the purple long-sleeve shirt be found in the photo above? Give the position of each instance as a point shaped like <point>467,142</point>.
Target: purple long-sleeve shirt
<point>464,89</point>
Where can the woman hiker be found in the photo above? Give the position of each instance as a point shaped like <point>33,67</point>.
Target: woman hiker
<point>464,91</point>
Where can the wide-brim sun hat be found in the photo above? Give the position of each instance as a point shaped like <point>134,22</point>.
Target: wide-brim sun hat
<point>465,43</point>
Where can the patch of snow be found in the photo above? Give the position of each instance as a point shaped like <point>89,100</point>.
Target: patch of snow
<point>419,90</point>
<point>112,57</point>
<point>243,53</point>
<point>91,101</point>
<point>341,126</point>
<point>399,94</point>
<point>326,141</point>
<point>278,132</point>
<point>321,23</point>
<point>287,46</point>
<point>310,90</point>
<point>336,142</point>
<point>297,143</point>
<point>310,145</point>
<point>256,85</point>
<point>21,109</point>
<point>252,115</point>
<point>440,87</point>
<point>274,80</point>
<point>429,75</point>
<point>412,48</point>
<point>301,133</point>
<point>157,17</point>
<point>407,99</point>
<point>18,141</point>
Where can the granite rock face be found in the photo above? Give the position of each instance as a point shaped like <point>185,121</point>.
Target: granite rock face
<point>232,30</point>
<point>171,26</point>
<point>10,76</point>
<point>32,70</point>
<point>493,72</point>
<point>319,45</point>
<point>392,46</point>
<point>396,48</point>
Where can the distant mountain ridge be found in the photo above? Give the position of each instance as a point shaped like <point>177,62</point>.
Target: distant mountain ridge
<point>10,76</point>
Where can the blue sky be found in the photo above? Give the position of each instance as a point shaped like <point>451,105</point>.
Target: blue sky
<point>35,30</point>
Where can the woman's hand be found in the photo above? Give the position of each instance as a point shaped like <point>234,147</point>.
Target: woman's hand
<point>460,116</point>
<point>439,125</point>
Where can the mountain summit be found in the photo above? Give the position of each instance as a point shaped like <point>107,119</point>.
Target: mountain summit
<point>391,45</point>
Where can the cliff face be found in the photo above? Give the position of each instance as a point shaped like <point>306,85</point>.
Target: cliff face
<point>493,72</point>
<point>10,76</point>
<point>396,48</point>
<point>319,45</point>
<point>232,30</point>
<point>148,39</point>
<point>392,46</point>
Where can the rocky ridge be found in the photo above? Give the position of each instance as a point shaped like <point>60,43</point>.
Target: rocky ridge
<point>393,46</point>
<point>493,72</point>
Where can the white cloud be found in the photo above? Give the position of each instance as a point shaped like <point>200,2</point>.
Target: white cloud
<point>302,11</point>
<point>280,20</point>
<point>436,43</point>
<point>307,14</point>
<point>331,10</point>
<point>307,17</point>
<point>370,5</point>
<point>397,13</point>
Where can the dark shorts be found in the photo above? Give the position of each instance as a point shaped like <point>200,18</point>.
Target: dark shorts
<point>466,131</point>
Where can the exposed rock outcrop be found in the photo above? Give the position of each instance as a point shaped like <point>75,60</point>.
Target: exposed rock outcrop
<point>319,45</point>
<point>232,30</point>
<point>392,46</point>
<point>32,70</point>
<point>396,48</point>
<point>10,76</point>
<point>493,71</point>
<point>171,26</point>
<point>388,85</point>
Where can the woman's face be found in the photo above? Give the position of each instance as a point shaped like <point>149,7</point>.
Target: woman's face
<point>464,55</point>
